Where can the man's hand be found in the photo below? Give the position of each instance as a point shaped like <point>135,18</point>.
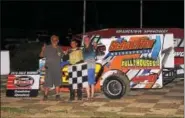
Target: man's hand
<point>42,51</point>
<point>43,47</point>
<point>95,45</point>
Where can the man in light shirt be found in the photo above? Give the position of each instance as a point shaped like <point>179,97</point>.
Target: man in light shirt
<point>75,57</point>
<point>75,54</point>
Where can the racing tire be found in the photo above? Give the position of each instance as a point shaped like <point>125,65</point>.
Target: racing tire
<point>116,86</point>
<point>169,79</point>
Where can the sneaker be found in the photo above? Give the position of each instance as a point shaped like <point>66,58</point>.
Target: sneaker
<point>57,97</point>
<point>45,98</point>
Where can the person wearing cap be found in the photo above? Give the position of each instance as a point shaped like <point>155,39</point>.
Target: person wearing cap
<point>89,57</point>
<point>53,54</point>
<point>75,57</point>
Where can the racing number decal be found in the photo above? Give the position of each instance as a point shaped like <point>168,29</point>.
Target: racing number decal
<point>65,74</point>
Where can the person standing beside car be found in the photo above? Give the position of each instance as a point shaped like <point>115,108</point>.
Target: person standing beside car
<point>53,54</point>
<point>89,57</point>
<point>75,57</point>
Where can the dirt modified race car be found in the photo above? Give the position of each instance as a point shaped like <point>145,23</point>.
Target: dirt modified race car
<point>143,58</point>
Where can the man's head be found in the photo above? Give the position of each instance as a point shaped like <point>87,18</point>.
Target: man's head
<point>87,41</point>
<point>54,40</point>
<point>74,44</point>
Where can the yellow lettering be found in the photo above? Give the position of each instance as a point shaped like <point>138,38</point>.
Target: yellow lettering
<point>150,63</point>
<point>123,63</point>
<point>137,62</point>
<point>129,62</point>
<point>140,62</point>
<point>153,63</point>
<point>126,63</point>
<point>144,62</point>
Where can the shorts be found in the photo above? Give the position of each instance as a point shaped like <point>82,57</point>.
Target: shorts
<point>91,76</point>
<point>52,79</point>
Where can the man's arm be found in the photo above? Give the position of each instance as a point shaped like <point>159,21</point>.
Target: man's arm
<point>94,45</point>
<point>42,53</point>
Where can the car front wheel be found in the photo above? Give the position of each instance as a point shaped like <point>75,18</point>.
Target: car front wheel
<point>116,86</point>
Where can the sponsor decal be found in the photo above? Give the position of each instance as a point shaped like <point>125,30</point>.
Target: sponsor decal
<point>141,63</point>
<point>149,78</point>
<point>137,46</point>
<point>23,81</point>
<point>129,31</point>
<point>179,54</point>
<point>21,93</point>
<point>25,73</point>
<point>139,31</point>
<point>144,81</point>
<point>20,85</point>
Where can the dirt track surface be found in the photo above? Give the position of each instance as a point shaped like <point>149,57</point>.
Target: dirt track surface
<point>158,103</point>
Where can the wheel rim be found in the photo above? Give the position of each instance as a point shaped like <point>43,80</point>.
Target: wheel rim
<point>114,87</point>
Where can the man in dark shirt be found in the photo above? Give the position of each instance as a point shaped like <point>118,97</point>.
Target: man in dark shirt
<point>53,54</point>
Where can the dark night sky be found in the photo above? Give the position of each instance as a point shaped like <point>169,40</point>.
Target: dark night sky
<point>59,16</point>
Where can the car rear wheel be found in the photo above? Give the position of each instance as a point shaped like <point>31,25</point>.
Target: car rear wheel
<point>169,74</point>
